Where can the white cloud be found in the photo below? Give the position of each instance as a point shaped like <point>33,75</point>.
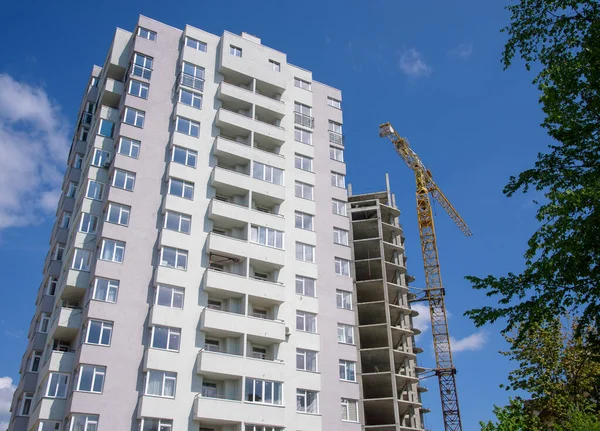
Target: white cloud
<point>34,144</point>
<point>464,50</point>
<point>422,321</point>
<point>412,64</point>
<point>6,391</point>
<point>474,341</point>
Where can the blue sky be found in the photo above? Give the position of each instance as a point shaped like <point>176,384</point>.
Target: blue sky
<point>431,68</point>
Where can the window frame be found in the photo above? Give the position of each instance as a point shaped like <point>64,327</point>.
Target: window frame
<point>194,97</point>
<point>101,190</point>
<point>166,375</point>
<point>338,180</point>
<point>174,291</point>
<point>170,332</point>
<point>302,217</point>
<point>191,126</point>
<point>341,236</point>
<point>334,103</point>
<point>51,286</point>
<point>141,92</point>
<point>236,51</point>
<point>275,65</point>
<point>123,209</point>
<point>139,117</point>
<point>345,404</point>
<point>303,136</point>
<point>303,160</point>
<point>150,34</point>
<point>97,371</point>
<point>276,391</point>
<point>185,185</point>
<point>61,386</point>
<point>336,153</point>
<point>101,131</point>
<point>132,143</point>
<point>26,396</point>
<point>303,188</point>
<point>268,233</point>
<point>341,263</point>
<point>302,279</point>
<point>304,354</point>
<point>92,223</point>
<point>116,245</point>
<point>142,68</point>
<point>343,299</point>
<point>178,253</point>
<point>127,178</point>
<point>306,317</point>
<point>199,44</point>
<point>82,259</point>
<point>263,172</point>
<point>181,217</point>
<point>188,154</point>
<point>111,286</point>
<point>337,204</point>
<point>299,81</point>
<point>304,253</point>
<point>87,420</point>
<point>305,393</point>
<point>347,331</point>
<point>348,369</point>
<point>105,327</point>
<point>35,354</point>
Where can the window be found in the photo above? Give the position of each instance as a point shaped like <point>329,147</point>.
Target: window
<point>83,423</point>
<point>95,190</point>
<point>301,83</point>
<point>169,296</point>
<point>345,334</point>
<point>263,391</point>
<point>334,102</point>
<point>305,286</point>
<point>305,252</point>
<point>347,370</point>
<point>306,321</point>
<point>183,189</point>
<point>88,114</point>
<point>267,173</point>
<point>138,89</point>
<point>65,220</point>
<point>304,190</point>
<point>34,361</point>
<point>343,299</point>
<point>342,266</point>
<point>196,44</point>
<point>161,383</point>
<point>57,385</point>
<point>266,236</point>
<point>173,258</point>
<point>184,156</point>
<point>166,338</point>
<point>88,223</point>
<point>146,34</point>
<point>151,424</point>
<point>307,401</point>
<point>303,136</point>
<point>134,117</point>
<point>47,426</point>
<point>192,76</point>
<point>72,189</point>
<point>304,221</point>
<point>338,207</point>
<point>81,259</point>
<point>234,50</point>
<point>106,128</point>
<point>105,289</point>
<point>59,251</point>
<point>254,428</point>
<point>178,222</point>
<point>78,161</point>
<point>187,127</point>
<point>51,286</point>
<point>99,332</point>
<point>83,135</point>
<point>306,360</point>
<point>335,133</point>
<point>118,214</point>
<point>302,115</point>
<point>335,127</point>
<point>91,378</point>
<point>275,65</point>
<point>190,98</point>
<point>94,82</point>
<point>142,66</point>
<point>303,162</point>
<point>349,410</point>
<point>25,404</point>
<point>129,147</point>
<point>124,180</point>
<point>340,236</point>
<point>112,250</point>
<point>336,154</point>
<point>338,180</point>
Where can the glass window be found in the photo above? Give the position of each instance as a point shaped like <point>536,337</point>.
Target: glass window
<point>335,127</point>
<point>343,299</point>
<point>347,370</point>
<point>304,190</point>
<point>95,190</point>
<point>305,252</point>
<point>305,286</point>
<point>173,258</point>
<point>72,189</point>
<point>65,220</point>
<point>169,296</point>
<point>129,147</point>
<point>275,65</point>
<point>190,98</point>
<point>338,180</point>
<point>336,154</point>
<point>44,322</point>
<point>234,50</point>
<point>303,136</point>
<point>267,173</point>
<point>266,236</point>
<point>118,214</point>
<point>81,259</point>
<point>345,334</point>
<point>106,128</point>
<point>301,83</point>
<point>340,236</point>
<point>134,117</point>
<point>334,102</point>
<point>187,127</point>
<point>304,221</point>
<point>349,410</point>
<point>146,34</point>
<point>183,189</point>
<point>91,378</point>
<point>35,360</point>
<point>342,266</point>
<point>105,289</point>
<point>88,223</point>
<point>338,207</point>
<point>112,250</point>
<point>248,427</point>
<point>303,162</point>
<point>59,251</point>
<point>196,44</point>
<point>124,180</point>
<point>99,332</point>
<point>51,286</point>
<point>161,383</point>
<point>138,89</point>
<point>184,156</point>
<point>80,422</point>
<point>78,161</point>
<point>167,338</point>
<point>57,384</point>
<point>306,321</point>
<point>306,360</point>
<point>152,424</point>
<point>178,222</point>
<point>192,76</point>
<point>307,401</point>
<point>263,391</point>
<point>25,404</point>
<point>142,66</point>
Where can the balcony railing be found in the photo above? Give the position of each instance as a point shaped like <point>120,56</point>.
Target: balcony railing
<point>336,138</point>
<point>191,81</point>
<point>86,119</point>
<point>304,120</point>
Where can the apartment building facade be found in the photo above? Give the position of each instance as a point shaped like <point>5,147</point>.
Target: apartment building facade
<point>198,276</point>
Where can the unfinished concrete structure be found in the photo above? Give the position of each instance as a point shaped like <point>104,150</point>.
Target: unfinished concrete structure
<point>388,377</point>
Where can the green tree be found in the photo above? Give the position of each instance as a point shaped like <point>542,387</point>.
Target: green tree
<point>561,39</point>
<point>513,417</point>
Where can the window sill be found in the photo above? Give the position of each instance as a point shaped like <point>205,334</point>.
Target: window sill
<point>347,344</point>
<point>173,267</point>
<point>349,381</point>
<point>159,396</point>
<point>308,413</point>
<point>308,371</point>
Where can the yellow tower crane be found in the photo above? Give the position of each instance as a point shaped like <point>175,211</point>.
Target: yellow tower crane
<point>434,291</point>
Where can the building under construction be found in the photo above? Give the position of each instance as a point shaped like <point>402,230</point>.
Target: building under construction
<point>389,378</point>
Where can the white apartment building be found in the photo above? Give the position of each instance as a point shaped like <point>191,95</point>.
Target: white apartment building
<point>198,276</point>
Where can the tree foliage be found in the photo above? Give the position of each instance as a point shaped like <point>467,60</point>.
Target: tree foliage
<point>561,39</point>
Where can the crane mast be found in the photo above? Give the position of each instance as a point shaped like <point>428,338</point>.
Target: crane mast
<point>434,291</point>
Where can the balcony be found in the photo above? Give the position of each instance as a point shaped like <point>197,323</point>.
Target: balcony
<point>66,324</point>
<point>232,182</point>
<point>113,90</point>
<point>233,152</point>
<point>219,365</point>
<point>233,411</point>
<point>239,248</point>
<point>226,324</point>
<point>48,409</point>
<point>221,281</point>
<point>151,406</point>
<point>234,124</point>
<point>304,120</point>
<point>222,212</point>
<point>59,361</point>
<point>229,92</point>
<point>191,81</point>
<point>336,138</point>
